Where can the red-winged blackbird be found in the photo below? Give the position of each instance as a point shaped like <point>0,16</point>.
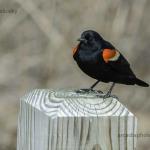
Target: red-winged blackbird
<point>102,61</point>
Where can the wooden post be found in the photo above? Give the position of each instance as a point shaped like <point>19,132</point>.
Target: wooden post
<point>66,120</point>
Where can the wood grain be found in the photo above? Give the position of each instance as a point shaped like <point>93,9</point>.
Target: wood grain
<point>67,120</point>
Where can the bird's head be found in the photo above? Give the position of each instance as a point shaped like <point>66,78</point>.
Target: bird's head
<point>90,40</point>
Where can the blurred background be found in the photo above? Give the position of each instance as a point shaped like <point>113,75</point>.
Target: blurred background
<point>35,52</point>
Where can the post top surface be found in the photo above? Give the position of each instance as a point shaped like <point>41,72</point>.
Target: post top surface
<point>69,103</point>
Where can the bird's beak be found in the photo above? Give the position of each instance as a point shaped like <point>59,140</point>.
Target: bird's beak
<point>82,40</point>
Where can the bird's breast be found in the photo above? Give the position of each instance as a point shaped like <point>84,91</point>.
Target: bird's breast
<point>89,57</point>
<point>91,64</point>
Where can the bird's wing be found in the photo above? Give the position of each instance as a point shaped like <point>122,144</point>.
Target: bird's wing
<point>117,62</point>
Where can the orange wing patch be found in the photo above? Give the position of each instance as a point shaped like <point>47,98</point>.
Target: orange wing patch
<point>110,55</point>
<point>75,49</point>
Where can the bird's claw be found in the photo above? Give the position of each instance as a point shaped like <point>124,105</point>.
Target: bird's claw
<point>114,96</point>
<point>109,95</point>
<point>83,91</point>
<point>89,91</point>
<point>98,93</point>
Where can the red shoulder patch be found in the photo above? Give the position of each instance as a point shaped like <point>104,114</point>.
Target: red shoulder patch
<point>74,50</point>
<point>108,54</point>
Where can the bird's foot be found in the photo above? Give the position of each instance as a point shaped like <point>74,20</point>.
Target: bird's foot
<point>114,96</point>
<point>106,96</point>
<point>99,92</point>
<point>81,91</point>
<point>90,90</point>
<point>109,95</point>
<point>85,91</point>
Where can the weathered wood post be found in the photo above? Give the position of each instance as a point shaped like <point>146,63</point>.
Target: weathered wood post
<point>66,120</point>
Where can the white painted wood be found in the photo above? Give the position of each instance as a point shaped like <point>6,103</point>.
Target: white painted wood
<point>66,120</point>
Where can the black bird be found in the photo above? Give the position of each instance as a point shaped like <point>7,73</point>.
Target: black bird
<point>100,60</point>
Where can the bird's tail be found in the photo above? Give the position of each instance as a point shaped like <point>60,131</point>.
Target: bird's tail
<point>141,83</point>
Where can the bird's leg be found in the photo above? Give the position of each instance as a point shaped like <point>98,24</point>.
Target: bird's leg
<point>109,91</point>
<point>91,88</point>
